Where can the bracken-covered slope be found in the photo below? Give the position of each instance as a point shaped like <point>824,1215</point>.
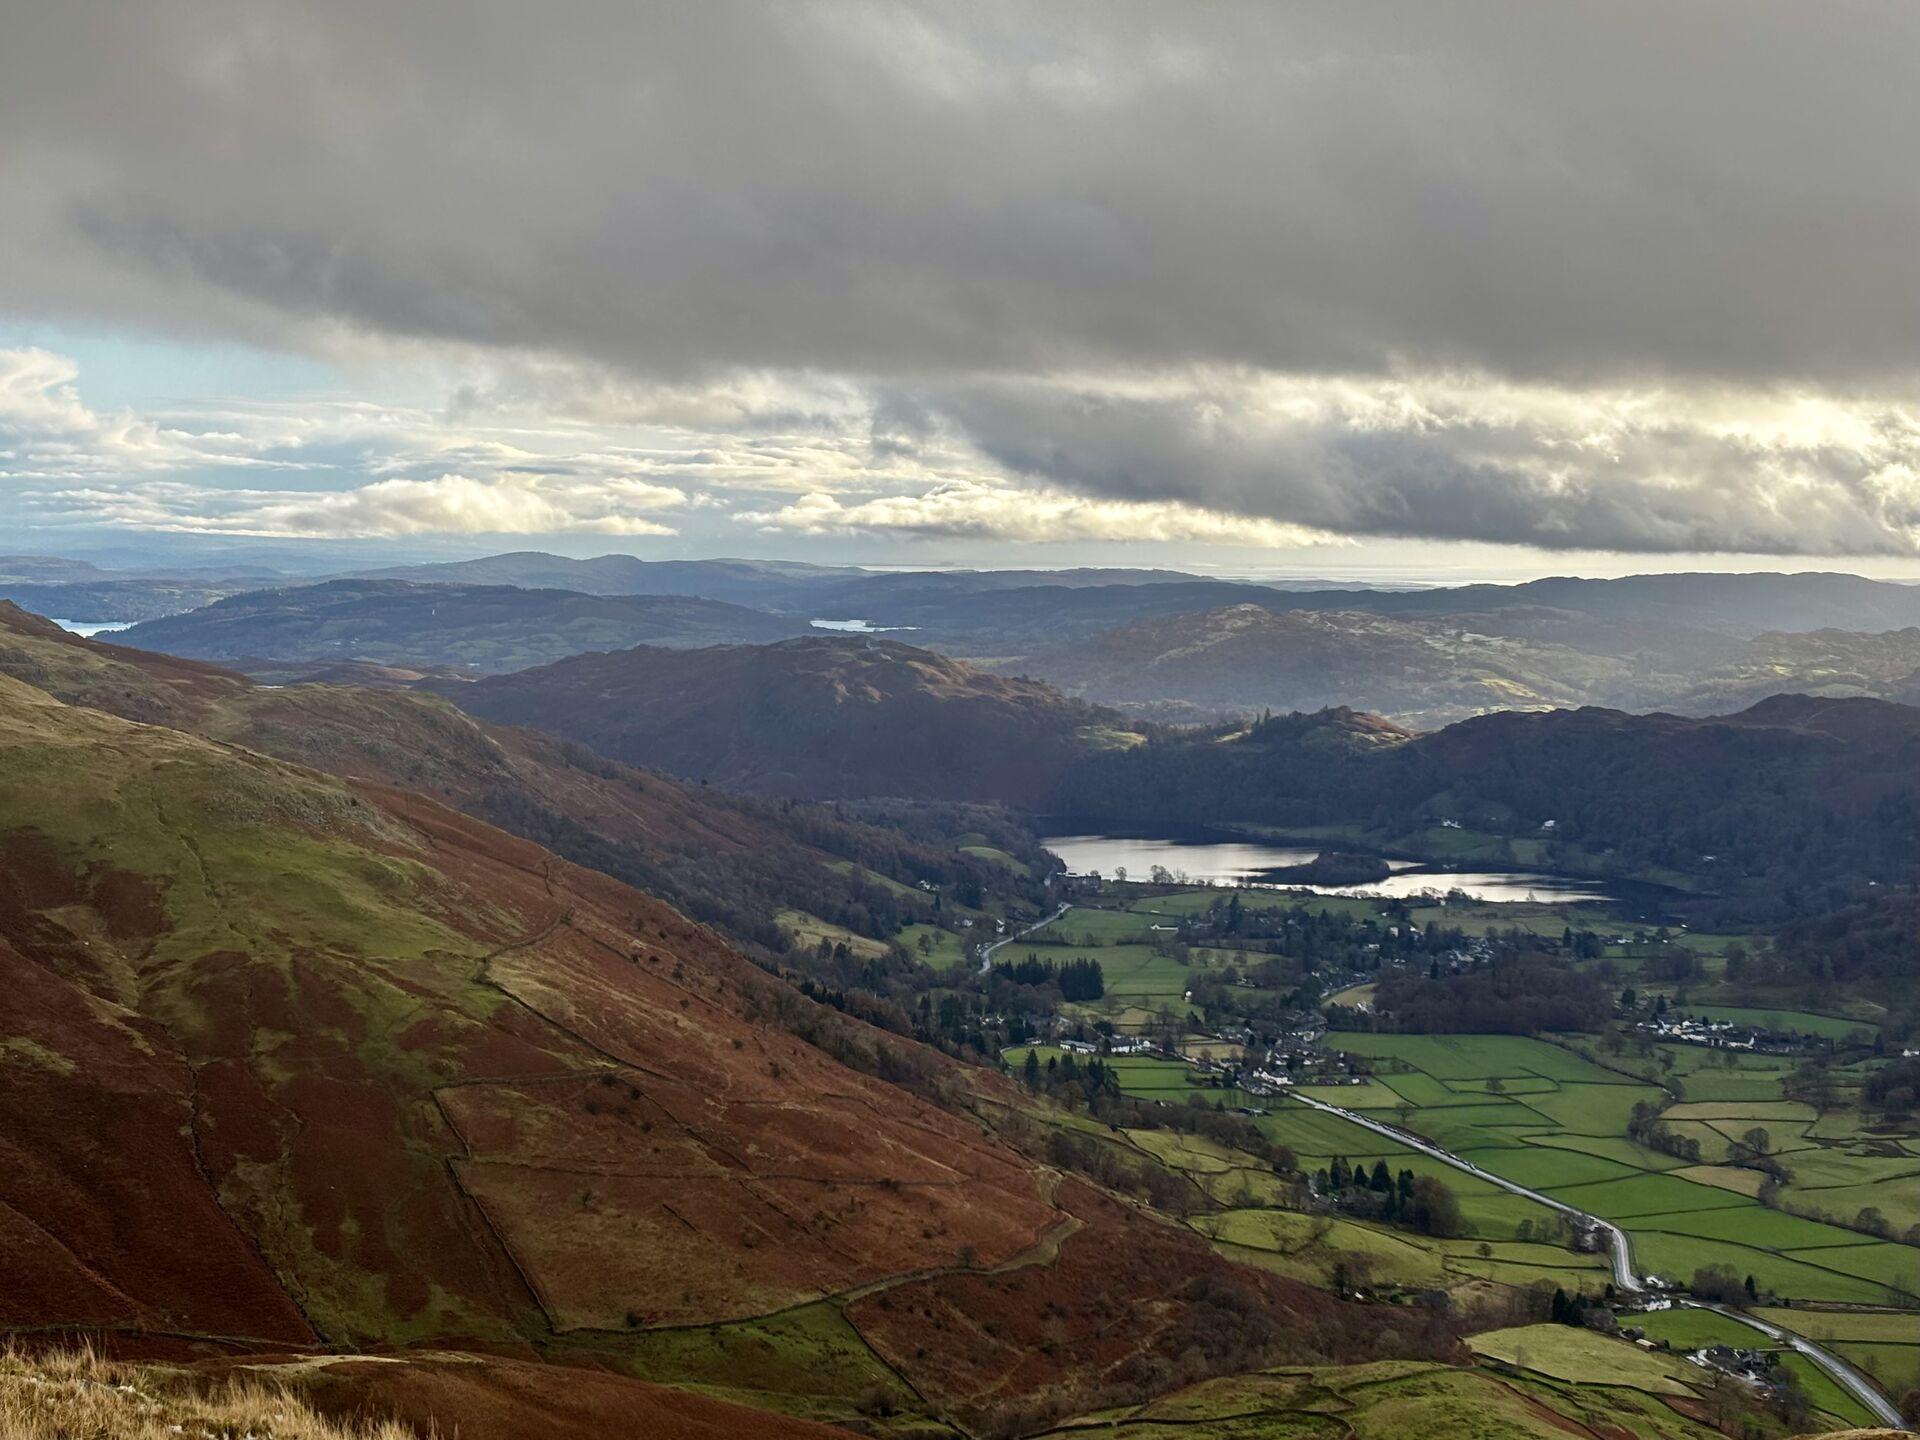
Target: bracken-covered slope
<point>482,627</point>
<point>374,1016</point>
<point>294,1062</point>
<point>841,717</point>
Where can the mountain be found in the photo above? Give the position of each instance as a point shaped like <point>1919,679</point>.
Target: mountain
<point>1795,793</point>
<point>81,591</point>
<point>760,583</point>
<point>823,591</point>
<point>1735,604</point>
<point>1602,616</point>
<point>1247,658</point>
<point>482,627</point>
<point>47,569</point>
<point>730,860</point>
<point>1833,663</point>
<point>1432,672</point>
<point>114,602</point>
<point>297,1063</point>
<point>832,716</point>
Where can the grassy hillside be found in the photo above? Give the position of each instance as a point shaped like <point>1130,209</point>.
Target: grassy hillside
<point>293,1061</point>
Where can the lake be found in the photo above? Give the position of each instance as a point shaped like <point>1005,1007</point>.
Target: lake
<point>1221,861</point>
<point>858,627</point>
<point>92,627</point>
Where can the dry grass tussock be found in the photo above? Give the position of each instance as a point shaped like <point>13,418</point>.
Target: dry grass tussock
<point>78,1395</point>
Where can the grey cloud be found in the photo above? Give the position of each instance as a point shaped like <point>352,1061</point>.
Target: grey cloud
<point>1647,472</point>
<point>1580,192</point>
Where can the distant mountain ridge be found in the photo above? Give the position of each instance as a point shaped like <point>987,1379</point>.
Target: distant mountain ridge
<point>1603,616</point>
<point>1248,658</point>
<point>481,627</point>
<point>1429,672</point>
<point>824,591</point>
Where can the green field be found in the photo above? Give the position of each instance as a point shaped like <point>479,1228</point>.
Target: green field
<point>1799,1022</point>
<point>1678,1256</point>
<point>1538,1167</point>
<point>1887,1327</point>
<point>945,949</point>
<point>1478,1057</point>
<point>1752,1225</point>
<point>1322,1249</point>
<point>993,855</point>
<point>1198,902</point>
<point>1391,1400</point>
<point>1083,925</point>
<point>884,882</point>
<point>1545,1117</point>
<point>1637,1195</point>
<point>1686,1329</point>
<point>1479,917</point>
<point>1586,1357</point>
<point>809,930</point>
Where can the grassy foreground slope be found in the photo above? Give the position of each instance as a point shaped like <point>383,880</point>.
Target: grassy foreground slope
<point>65,1394</point>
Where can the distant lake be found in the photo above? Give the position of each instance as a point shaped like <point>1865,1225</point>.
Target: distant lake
<point>92,627</point>
<point>1217,861</point>
<point>858,627</point>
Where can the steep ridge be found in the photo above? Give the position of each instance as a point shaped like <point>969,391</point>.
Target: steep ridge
<point>838,716</point>
<point>485,628</point>
<point>299,1062</point>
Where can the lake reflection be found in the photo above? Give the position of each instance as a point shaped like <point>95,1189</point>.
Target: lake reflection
<point>1245,862</point>
<point>1224,862</point>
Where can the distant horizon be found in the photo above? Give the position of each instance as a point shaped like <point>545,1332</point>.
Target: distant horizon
<point>124,552</point>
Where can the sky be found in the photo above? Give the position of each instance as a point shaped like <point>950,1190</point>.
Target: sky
<point>1412,291</point>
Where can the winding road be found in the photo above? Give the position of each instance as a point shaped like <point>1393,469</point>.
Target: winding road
<point>986,955</point>
<point>1620,1250</point>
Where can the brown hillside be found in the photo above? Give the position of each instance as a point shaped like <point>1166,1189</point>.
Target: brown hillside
<point>295,1062</point>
